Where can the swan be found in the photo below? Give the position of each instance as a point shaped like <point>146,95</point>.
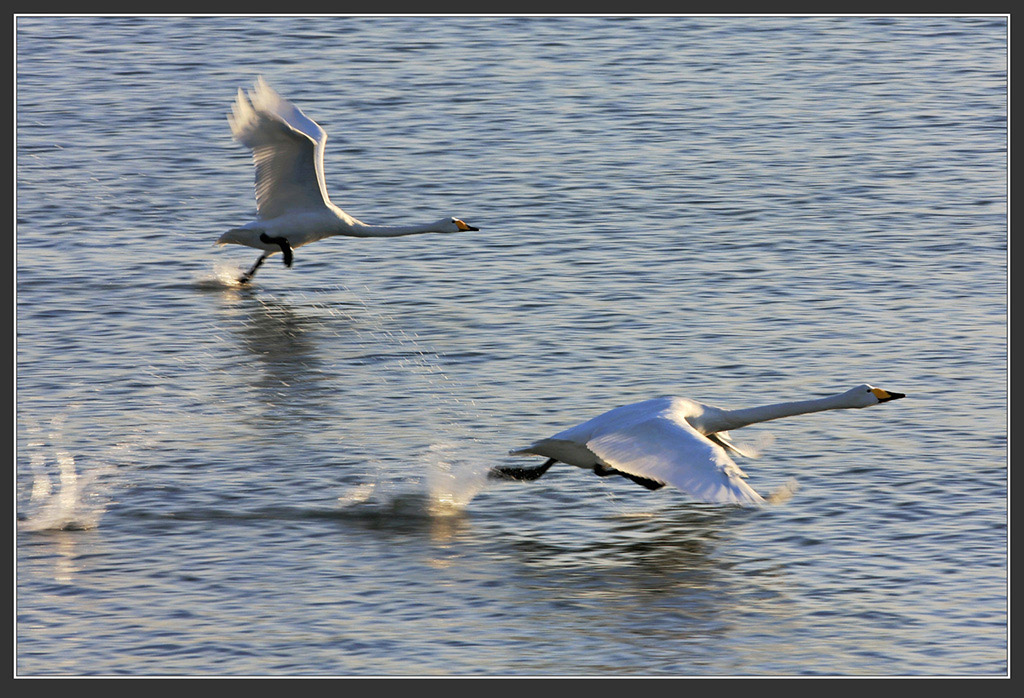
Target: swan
<point>292,206</point>
<point>675,441</point>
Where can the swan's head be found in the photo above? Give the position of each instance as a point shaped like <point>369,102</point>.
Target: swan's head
<point>866,395</point>
<point>453,225</point>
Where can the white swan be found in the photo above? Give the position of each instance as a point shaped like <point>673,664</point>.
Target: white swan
<point>292,206</point>
<point>674,441</point>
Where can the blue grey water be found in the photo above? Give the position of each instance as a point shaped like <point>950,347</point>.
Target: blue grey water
<point>288,479</point>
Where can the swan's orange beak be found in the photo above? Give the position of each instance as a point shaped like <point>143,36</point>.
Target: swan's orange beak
<point>885,395</point>
<point>462,225</point>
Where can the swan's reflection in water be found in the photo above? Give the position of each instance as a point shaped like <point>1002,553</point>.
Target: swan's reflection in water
<point>280,341</point>
<point>659,580</point>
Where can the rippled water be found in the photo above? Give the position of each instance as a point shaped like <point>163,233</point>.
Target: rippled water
<point>288,479</point>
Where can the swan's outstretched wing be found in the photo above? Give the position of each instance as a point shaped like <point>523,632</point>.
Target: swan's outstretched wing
<point>673,452</point>
<point>287,148</point>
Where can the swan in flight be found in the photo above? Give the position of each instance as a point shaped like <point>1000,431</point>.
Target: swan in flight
<point>674,441</point>
<point>292,206</point>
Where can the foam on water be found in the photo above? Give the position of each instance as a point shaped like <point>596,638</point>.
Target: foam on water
<point>455,475</point>
<point>63,496</point>
<point>223,275</point>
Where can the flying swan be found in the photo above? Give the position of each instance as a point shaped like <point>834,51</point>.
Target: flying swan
<point>292,206</point>
<point>674,441</point>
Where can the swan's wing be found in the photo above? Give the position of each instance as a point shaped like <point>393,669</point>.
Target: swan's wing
<point>663,449</point>
<point>723,439</point>
<point>287,148</point>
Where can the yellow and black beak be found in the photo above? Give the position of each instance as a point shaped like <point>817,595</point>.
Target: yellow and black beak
<point>462,225</point>
<point>885,395</point>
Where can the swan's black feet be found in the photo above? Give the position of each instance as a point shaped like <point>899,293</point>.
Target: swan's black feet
<point>523,474</point>
<point>286,249</point>
<point>605,471</point>
<point>643,481</point>
<point>244,278</point>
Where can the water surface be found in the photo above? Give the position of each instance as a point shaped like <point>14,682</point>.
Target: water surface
<point>289,479</point>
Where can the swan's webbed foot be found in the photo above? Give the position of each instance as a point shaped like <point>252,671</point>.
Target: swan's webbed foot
<point>643,481</point>
<point>604,471</point>
<point>523,474</point>
<point>286,249</point>
<point>244,278</point>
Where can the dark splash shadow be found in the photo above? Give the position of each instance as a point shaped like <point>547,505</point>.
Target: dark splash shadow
<point>406,514</point>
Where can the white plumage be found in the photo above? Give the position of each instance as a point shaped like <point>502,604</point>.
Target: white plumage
<point>675,441</point>
<point>292,205</point>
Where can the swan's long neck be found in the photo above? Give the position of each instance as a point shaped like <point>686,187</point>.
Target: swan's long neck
<point>388,231</point>
<point>344,224</point>
<point>724,420</point>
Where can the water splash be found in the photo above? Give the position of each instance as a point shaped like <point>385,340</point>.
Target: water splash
<point>454,476</point>
<point>360,494</point>
<point>783,493</point>
<point>76,503</point>
<point>63,495</point>
<point>451,477</point>
<point>223,276</point>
